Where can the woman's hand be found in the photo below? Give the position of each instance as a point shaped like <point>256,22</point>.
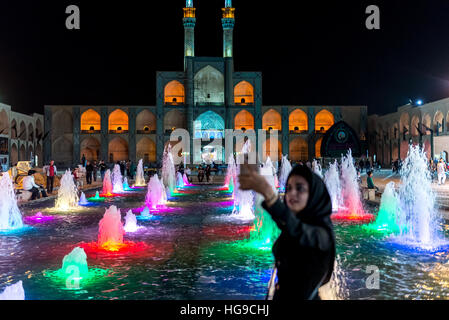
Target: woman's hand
<point>252,180</point>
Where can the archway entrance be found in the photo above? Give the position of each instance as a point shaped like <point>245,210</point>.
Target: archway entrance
<point>209,125</point>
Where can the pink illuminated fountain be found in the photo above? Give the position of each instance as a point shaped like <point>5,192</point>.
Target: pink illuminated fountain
<point>352,204</point>
<point>110,236</point>
<point>111,231</point>
<point>186,180</point>
<point>107,184</point>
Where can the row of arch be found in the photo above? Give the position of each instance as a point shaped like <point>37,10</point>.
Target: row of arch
<point>174,91</point>
<point>146,121</point>
<point>409,125</point>
<point>19,130</point>
<point>24,154</point>
<point>146,149</point>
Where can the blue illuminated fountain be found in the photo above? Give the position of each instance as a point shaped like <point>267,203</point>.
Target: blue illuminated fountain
<point>10,215</point>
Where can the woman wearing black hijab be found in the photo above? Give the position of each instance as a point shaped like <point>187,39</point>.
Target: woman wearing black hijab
<point>305,250</point>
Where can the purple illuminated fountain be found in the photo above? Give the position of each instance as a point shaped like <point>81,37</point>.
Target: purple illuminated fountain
<point>156,193</point>
<point>131,222</point>
<point>39,218</point>
<point>117,180</point>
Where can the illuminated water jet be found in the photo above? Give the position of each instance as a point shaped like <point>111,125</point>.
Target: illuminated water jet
<point>286,167</point>
<point>13,292</point>
<point>67,193</point>
<point>10,215</point>
<point>83,201</point>
<point>140,178</point>
<point>332,181</point>
<point>107,184</point>
<point>131,222</point>
<point>117,180</point>
<point>156,195</point>
<point>168,171</point>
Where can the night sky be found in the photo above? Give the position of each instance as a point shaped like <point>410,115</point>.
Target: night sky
<point>310,52</point>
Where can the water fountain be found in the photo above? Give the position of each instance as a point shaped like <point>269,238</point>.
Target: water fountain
<point>145,213</point>
<point>117,180</point>
<point>332,181</point>
<point>388,212</point>
<point>231,173</point>
<point>243,201</point>
<point>110,233</point>
<point>107,184</point>
<point>336,288</point>
<point>126,185</point>
<point>168,171</point>
<point>39,218</point>
<point>140,178</point>
<point>286,167</point>
<point>316,167</point>
<point>156,195</point>
<point>186,180</point>
<point>179,180</point>
<point>67,193</point>
<point>265,230</point>
<point>130,222</point>
<point>10,216</point>
<point>83,201</point>
<point>13,292</point>
<point>417,219</point>
<point>353,208</point>
<point>75,260</point>
<point>75,270</point>
<point>97,198</point>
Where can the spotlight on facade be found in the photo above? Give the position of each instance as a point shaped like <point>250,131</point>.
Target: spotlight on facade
<point>418,102</point>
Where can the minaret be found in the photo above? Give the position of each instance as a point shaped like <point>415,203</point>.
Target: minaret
<point>228,22</point>
<point>189,30</point>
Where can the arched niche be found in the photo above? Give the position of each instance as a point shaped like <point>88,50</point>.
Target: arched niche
<point>209,87</point>
<point>243,93</point>
<point>324,120</point>
<point>174,93</point>
<point>244,120</point>
<point>146,150</point>
<point>297,121</point>
<point>146,122</point>
<point>272,120</point>
<point>298,150</point>
<point>90,120</point>
<point>118,121</point>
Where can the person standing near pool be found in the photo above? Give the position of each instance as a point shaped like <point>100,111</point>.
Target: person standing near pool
<point>305,250</point>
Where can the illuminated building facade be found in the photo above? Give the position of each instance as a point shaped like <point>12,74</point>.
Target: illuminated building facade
<point>206,98</point>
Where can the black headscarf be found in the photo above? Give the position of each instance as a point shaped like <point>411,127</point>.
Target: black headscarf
<point>318,208</point>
